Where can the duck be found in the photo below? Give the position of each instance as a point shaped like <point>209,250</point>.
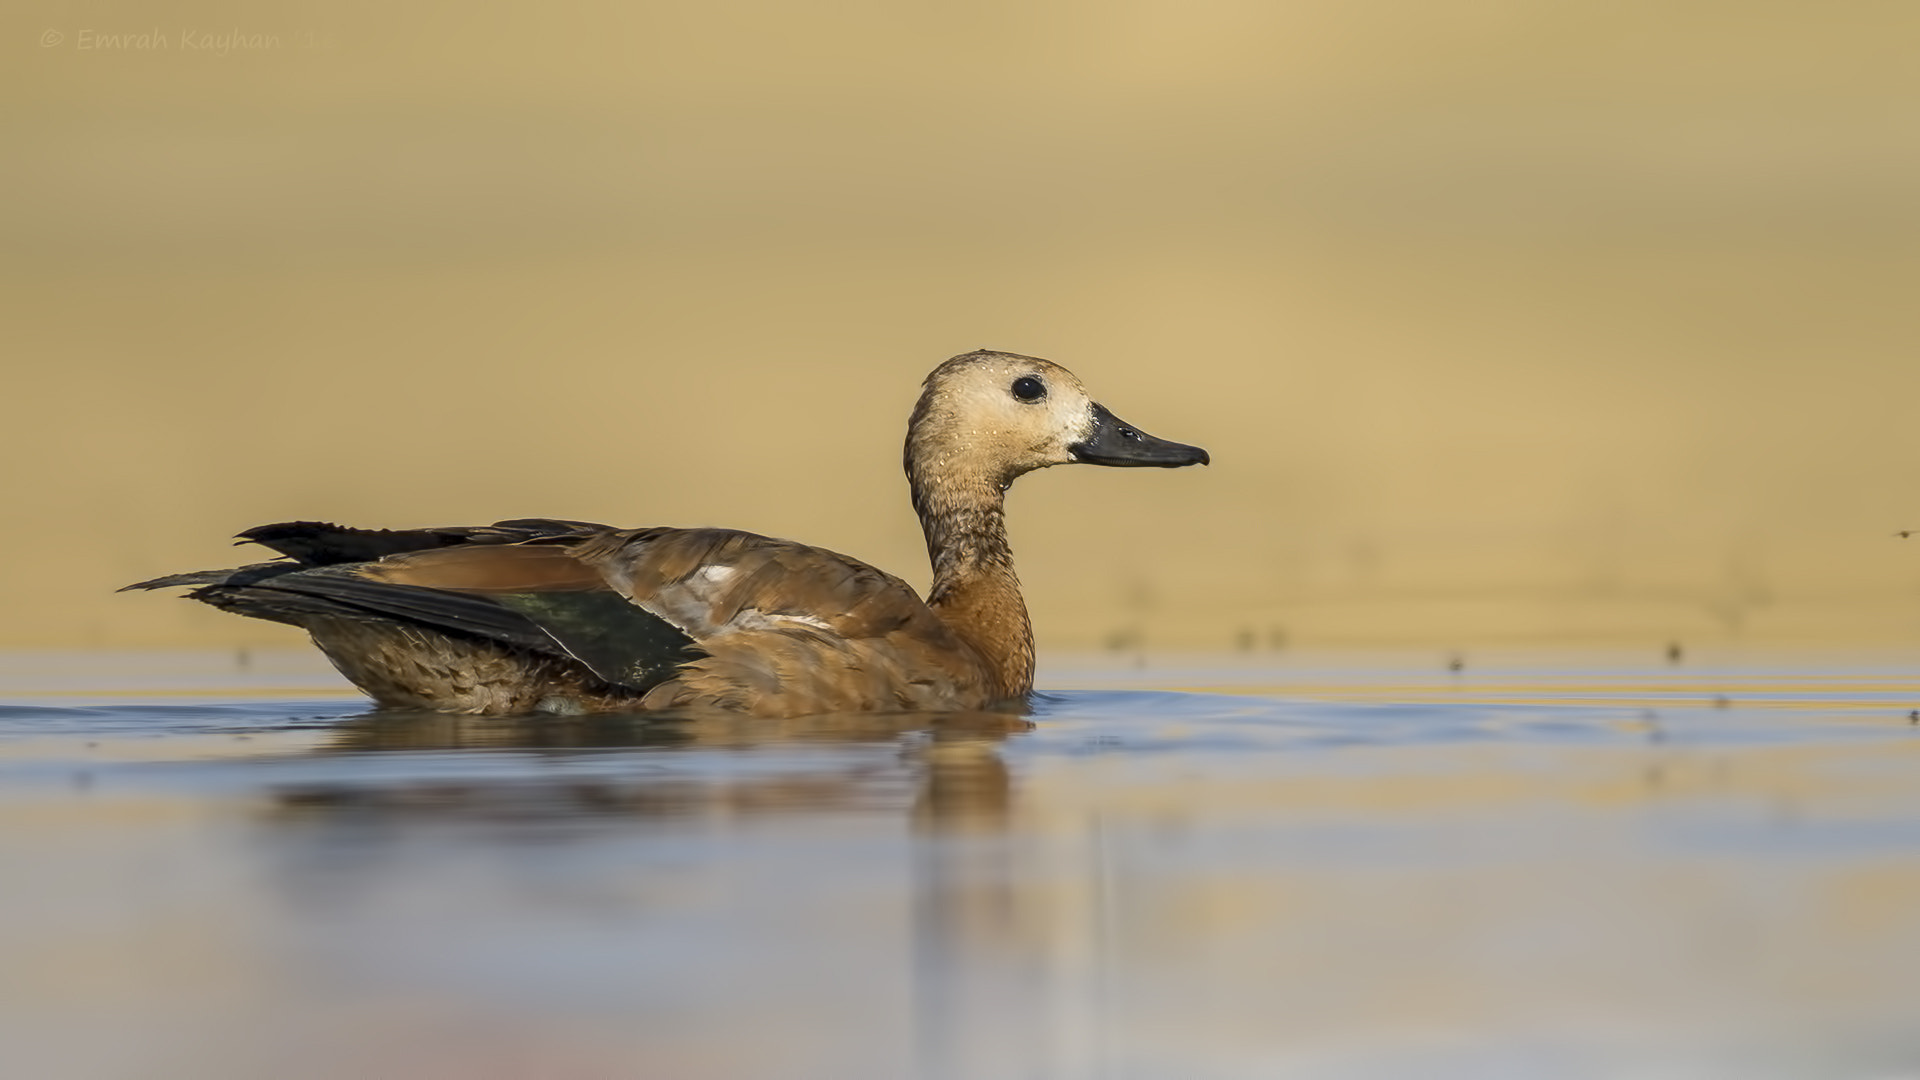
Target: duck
<point>552,616</point>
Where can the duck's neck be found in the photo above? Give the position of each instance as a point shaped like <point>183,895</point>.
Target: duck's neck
<point>975,591</point>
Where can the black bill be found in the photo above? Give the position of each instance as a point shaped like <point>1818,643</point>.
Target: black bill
<point>1113,441</point>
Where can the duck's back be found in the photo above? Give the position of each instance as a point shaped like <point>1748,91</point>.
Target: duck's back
<point>568,616</point>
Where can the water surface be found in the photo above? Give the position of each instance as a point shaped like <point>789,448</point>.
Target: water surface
<point>1334,866</point>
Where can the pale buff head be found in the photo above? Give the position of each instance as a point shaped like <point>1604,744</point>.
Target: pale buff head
<point>990,417</point>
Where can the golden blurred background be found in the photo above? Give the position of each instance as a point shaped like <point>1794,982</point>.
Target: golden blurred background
<point>1512,320</point>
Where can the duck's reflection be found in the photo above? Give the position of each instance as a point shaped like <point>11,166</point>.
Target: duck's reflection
<point>398,730</point>
<point>948,760</point>
<point>944,777</point>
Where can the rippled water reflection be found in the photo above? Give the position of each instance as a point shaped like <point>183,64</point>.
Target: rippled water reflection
<point>1563,867</point>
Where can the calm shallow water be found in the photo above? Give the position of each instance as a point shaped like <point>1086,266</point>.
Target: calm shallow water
<point>1566,866</point>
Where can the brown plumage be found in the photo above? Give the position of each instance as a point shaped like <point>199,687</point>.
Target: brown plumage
<point>538,615</point>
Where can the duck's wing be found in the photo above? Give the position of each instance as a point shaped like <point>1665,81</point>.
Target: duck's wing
<point>770,626</point>
<point>787,628</point>
<point>766,626</point>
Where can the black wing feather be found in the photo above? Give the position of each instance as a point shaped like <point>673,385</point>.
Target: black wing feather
<point>619,641</point>
<point>321,543</point>
<point>339,593</point>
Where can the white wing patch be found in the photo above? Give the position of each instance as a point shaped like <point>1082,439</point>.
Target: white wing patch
<point>755,619</point>
<point>688,603</point>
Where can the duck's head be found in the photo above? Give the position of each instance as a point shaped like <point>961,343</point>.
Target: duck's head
<point>994,416</point>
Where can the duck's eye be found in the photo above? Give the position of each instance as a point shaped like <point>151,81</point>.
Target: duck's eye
<point>1029,389</point>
